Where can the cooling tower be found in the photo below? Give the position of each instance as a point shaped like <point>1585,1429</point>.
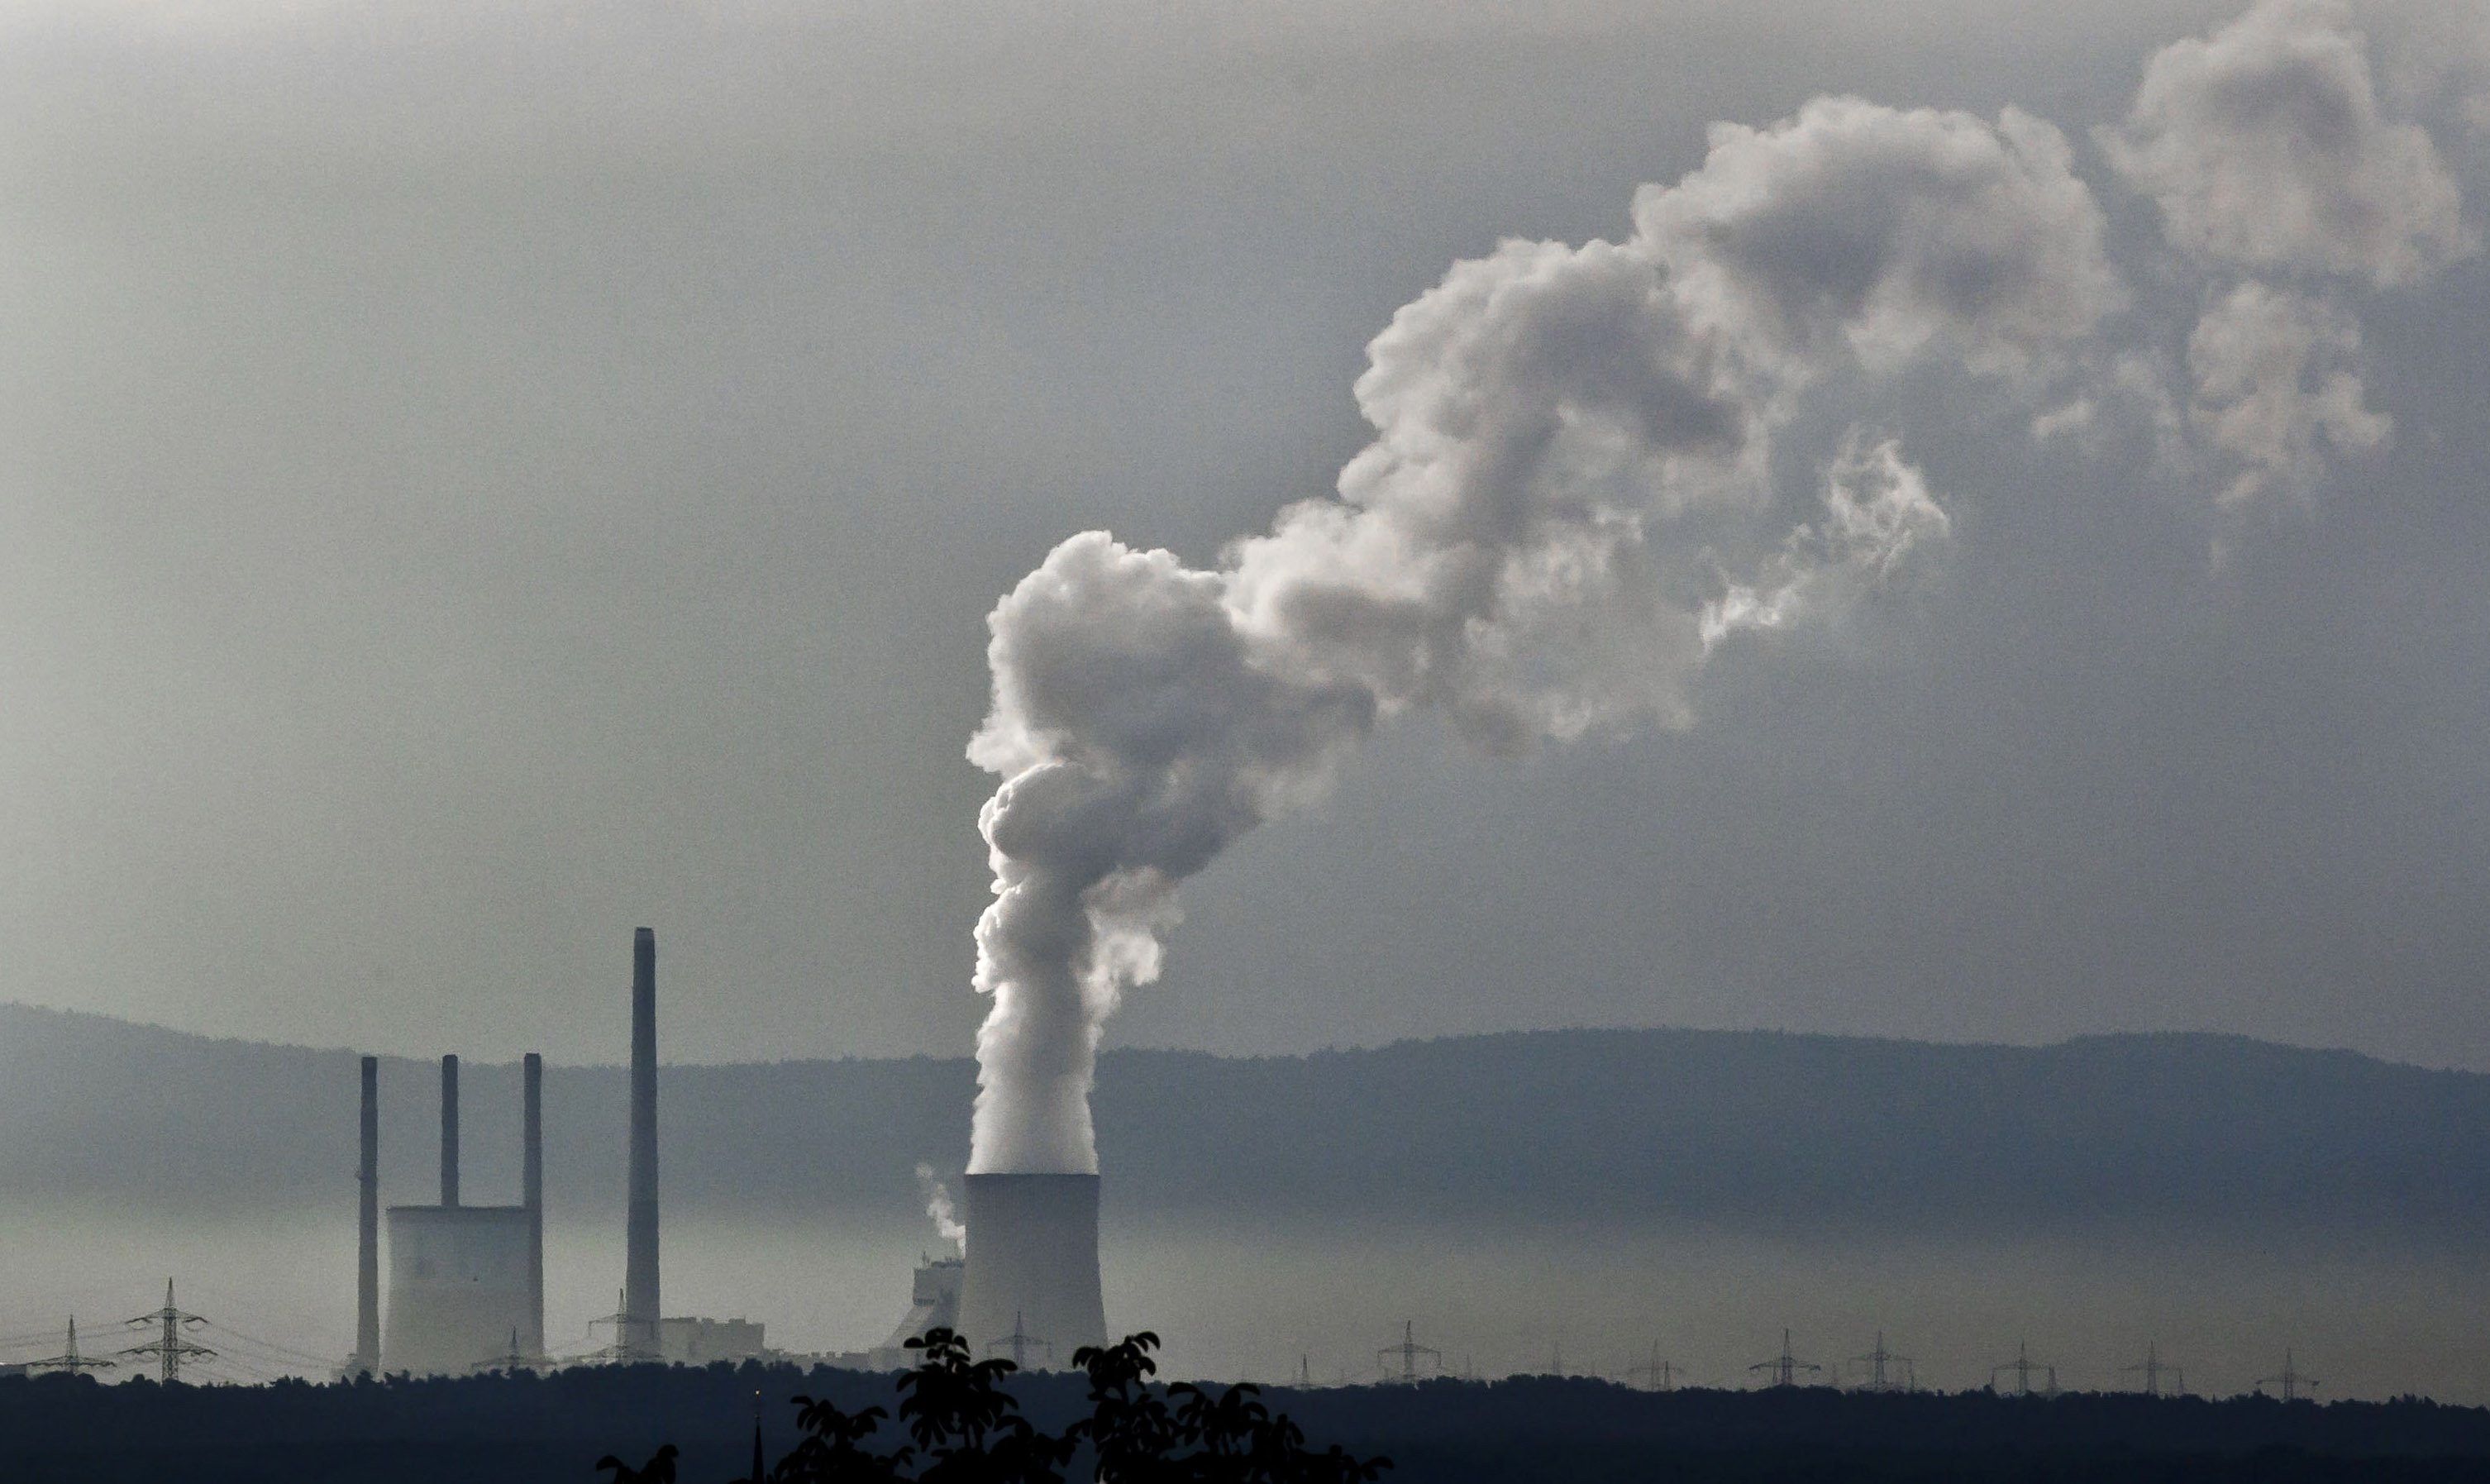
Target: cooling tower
<point>368,1230</point>
<point>639,1340</point>
<point>1033,1266</point>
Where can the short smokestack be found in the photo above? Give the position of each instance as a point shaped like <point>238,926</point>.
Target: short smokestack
<point>449,1130</point>
<point>640,1312</point>
<point>367,1230</point>
<point>1031,1280</point>
<point>532,1191</point>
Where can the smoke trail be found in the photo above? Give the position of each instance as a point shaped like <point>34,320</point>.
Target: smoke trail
<point>1568,505</point>
<point>1565,508</point>
<point>940,1209</point>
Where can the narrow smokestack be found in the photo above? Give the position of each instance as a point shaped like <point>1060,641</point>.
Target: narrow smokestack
<point>367,1230</point>
<point>1031,1285</point>
<point>640,1313</point>
<point>449,1130</point>
<point>531,1192</point>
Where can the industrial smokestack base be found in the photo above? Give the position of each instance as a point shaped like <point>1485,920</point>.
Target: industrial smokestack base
<point>1033,1268</point>
<point>641,1337</point>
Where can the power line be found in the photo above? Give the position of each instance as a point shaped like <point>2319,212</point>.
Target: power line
<point>2153,1369</point>
<point>69,1360</point>
<point>1021,1343</point>
<point>1656,1376</point>
<point>2291,1380</point>
<point>1886,1371</point>
<point>1409,1350</point>
<point>169,1349</point>
<point>2024,1365</point>
<point>1782,1369</point>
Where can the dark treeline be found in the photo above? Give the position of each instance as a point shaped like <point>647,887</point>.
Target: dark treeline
<point>1583,1126</point>
<point>550,1429</point>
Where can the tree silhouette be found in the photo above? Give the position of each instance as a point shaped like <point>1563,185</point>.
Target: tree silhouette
<point>965,1429</point>
<point>658,1470</point>
<point>969,1429</point>
<point>829,1451</point>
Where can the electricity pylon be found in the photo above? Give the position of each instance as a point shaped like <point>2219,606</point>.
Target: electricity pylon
<point>69,1359</point>
<point>2024,1365</point>
<point>2291,1380</point>
<point>1656,1376</point>
<point>1886,1371</point>
<point>1782,1369</point>
<point>1409,1350</point>
<point>1021,1343</point>
<point>168,1347</point>
<point>2153,1369</point>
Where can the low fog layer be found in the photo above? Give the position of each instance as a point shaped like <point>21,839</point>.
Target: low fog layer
<point>1521,1199</point>
<point>2098,1139</point>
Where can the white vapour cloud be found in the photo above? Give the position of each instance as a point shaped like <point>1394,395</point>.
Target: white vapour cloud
<point>1567,489</point>
<point>940,1210</point>
<point>2281,170</point>
<point>2267,150</point>
<point>2278,390</point>
<point>1884,230</point>
<point>1879,525</point>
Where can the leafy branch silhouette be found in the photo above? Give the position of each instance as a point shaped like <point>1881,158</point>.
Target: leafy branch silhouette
<point>964,1428</point>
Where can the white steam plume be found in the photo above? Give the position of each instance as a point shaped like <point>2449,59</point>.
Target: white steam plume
<point>2289,178</point>
<point>940,1211</point>
<point>1565,506</point>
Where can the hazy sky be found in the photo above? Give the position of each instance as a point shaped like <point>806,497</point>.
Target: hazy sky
<point>476,479</point>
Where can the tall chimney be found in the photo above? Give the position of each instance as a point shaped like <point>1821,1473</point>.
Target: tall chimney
<point>449,1130</point>
<point>367,1230</point>
<point>640,1313</point>
<point>532,1191</point>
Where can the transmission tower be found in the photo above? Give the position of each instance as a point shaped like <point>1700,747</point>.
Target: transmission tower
<point>1782,1369</point>
<point>510,1362</point>
<point>2291,1380</point>
<point>69,1359</point>
<point>1657,1375</point>
<point>2024,1365</point>
<point>168,1347</point>
<point>620,1349</point>
<point>1305,1372</point>
<point>1885,1370</point>
<point>1409,1350</point>
<point>2153,1369</point>
<point>1021,1343</point>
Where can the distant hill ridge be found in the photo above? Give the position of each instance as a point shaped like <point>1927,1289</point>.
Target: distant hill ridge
<point>1575,1125</point>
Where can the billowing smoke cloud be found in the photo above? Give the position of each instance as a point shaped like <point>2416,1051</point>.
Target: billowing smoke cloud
<point>2280,172</point>
<point>2277,390</point>
<point>1573,498</point>
<point>2266,148</point>
<point>1567,503</point>
<point>940,1210</point>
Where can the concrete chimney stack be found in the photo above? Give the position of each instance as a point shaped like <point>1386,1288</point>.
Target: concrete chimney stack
<point>449,1130</point>
<point>640,1311</point>
<point>1032,1266</point>
<point>532,1191</point>
<point>367,1230</point>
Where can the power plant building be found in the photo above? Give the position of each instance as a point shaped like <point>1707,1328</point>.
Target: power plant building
<point>466,1282</point>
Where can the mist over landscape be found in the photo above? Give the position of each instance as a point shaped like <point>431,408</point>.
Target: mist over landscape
<point>1573,1197</point>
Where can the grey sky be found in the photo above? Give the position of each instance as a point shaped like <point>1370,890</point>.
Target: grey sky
<point>477,479</point>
